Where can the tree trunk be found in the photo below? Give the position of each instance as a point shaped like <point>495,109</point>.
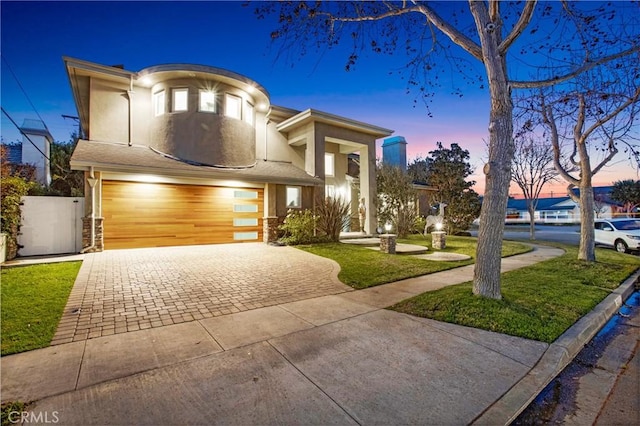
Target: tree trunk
<point>532,222</point>
<point>486,277</point>
<point>587,250</point>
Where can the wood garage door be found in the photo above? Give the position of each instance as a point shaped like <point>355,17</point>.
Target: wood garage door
<point>159,214</point>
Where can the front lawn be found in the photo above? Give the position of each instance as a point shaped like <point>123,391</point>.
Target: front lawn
<point>361,267</point>
<point>33,299</point>
<point>539,302</point>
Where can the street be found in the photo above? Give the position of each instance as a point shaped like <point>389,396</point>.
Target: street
<point>600,386</point>
<point>569,234</point>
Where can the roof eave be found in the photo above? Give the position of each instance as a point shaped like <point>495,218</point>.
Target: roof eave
<point>208,173</point>
<point>311,115</point>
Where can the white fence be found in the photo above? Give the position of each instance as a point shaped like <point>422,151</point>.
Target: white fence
<point>51,225</point>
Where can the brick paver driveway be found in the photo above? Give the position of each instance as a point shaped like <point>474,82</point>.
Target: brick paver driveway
<point>126,290</point>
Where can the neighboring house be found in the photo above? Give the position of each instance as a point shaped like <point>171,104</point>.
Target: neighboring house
<point>34,151</point>
<point>562,209</point>
<point>548,210</point>
<point>394,152</point>
<point>188,154</point>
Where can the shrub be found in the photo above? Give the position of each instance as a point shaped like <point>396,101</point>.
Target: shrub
<point>12,189</point>
<point>333,214</point>
<point>299,227</point>
<point>396,201</point>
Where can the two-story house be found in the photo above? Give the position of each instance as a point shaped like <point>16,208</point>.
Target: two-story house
<point>184,154</point>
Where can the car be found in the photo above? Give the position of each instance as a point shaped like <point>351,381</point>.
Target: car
<point>621,234</point>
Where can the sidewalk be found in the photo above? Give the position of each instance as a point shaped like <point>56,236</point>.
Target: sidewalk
<point>333,359</point>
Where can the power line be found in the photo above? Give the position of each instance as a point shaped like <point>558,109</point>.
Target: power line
<point>24,134</point>
<point>29,139</point>
<point>24,92</point>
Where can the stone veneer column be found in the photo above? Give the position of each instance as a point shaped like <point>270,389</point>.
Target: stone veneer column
<point>438,240</point>
<point>388,243</point>
<point>86,234</point>
<point>270,229</point>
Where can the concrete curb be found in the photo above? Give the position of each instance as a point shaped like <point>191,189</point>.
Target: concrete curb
<point>559,354</point>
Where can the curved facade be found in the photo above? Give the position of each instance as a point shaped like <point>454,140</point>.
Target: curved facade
<point>203,115</point>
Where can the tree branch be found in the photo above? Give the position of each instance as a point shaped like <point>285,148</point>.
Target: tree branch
<point>585,67</point>
<point>612,153</point>
<point>523,21</point>
<point>450,31</point>
<point>494,10</point>
<point>632,99</point>
<point>549,120</point>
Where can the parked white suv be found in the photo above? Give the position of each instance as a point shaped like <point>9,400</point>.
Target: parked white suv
<point>622,234</point>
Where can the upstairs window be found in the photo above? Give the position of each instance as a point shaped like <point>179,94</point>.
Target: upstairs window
<point>180,99</point>
<point>207,101</point>
<point>158,103</point>
<point>329,164</point>
<point>232,106</point>
<point>248,113</point>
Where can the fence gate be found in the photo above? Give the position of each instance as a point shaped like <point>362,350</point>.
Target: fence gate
<point>51,225</point>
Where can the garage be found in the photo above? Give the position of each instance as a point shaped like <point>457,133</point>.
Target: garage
<point>140,214</point>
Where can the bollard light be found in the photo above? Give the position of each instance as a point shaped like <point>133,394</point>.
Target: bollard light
<point>439,226</point>
<point>387,227</point>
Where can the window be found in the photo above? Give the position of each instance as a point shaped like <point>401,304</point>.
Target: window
<point>239,236</point>
<point>248,113</point>
<point>245,208</point>
<point>207,101</point>
<point>294,197</point>
<point>180,99</point>
<point>158,103</point>
<point>245,222</point>
<point>233,106</point>
<point>252,195</point>
<point>329,169</point>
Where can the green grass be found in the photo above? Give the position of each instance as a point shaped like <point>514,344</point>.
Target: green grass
<point>9,411</point>
<point>33,299</point>
<point>539,302</point>
<point>361,267</point>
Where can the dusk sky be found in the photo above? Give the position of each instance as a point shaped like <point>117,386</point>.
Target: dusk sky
<point>36,35</point>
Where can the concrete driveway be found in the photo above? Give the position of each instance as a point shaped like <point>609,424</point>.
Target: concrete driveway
<point>120,291</point>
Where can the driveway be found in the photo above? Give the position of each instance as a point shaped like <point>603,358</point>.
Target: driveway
<point>118,291</point>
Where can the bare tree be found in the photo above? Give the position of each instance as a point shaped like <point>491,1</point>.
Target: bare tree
<point>599,204</point>
<point>531,170</point>
<point>597,112</point>
<point>476,42</point>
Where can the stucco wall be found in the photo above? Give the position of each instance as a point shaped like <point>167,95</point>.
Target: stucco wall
<point>109,111</point>
<point>278,149</point>
<point>281,199</point>
<point>204,137</point>
<point>340,169</point>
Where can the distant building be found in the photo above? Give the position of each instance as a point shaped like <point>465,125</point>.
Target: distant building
<point>394,152</point>
<point>14,152</point>
<point>563,209</point>
<point>34,150</point>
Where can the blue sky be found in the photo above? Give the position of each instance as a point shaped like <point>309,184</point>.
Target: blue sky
<point>36,35</point>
